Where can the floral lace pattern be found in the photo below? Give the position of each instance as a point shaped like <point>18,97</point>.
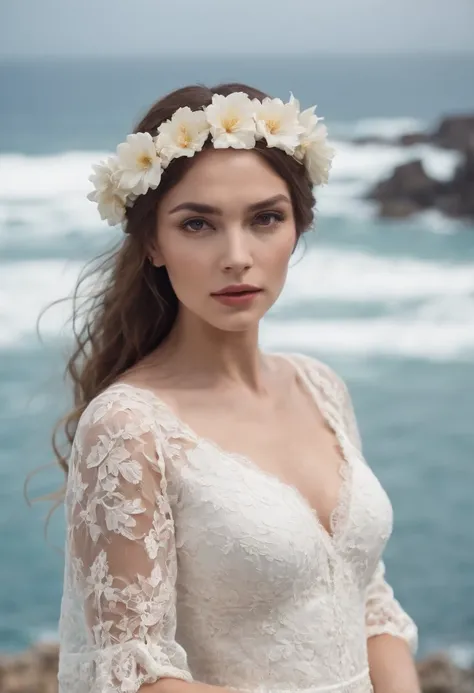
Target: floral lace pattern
<point>187,561</point>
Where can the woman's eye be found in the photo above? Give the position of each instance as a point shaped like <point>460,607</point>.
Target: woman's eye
<point>269,218</point>
<point>193,224</point>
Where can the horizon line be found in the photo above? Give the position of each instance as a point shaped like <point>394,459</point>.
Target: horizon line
<point>180,56</point>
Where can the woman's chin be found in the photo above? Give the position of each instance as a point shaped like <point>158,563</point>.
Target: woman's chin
<point>238,322</point>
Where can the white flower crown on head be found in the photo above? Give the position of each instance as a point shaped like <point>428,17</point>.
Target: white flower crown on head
<point>232,121</point>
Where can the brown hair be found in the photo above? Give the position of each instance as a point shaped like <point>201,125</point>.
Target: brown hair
<point>113,329</point>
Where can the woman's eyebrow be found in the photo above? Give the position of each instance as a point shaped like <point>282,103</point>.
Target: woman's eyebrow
<point>268,202</point>
<point>196,207</point>
<point>200,208</point>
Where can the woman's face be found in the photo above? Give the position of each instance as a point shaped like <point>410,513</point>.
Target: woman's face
<point>228,221</point>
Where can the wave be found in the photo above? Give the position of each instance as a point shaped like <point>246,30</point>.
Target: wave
<point>328,273</point>
<point>426,310</point>
<point>26,289</point>
<point>45,196</point>
<point>387,128</point>
<point>374,337</point>
<point>368,163</point>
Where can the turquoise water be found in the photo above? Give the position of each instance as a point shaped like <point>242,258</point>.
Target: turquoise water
<point>389,305</point>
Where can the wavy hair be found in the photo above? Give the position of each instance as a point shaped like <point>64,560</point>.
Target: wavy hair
<point>112,328</point>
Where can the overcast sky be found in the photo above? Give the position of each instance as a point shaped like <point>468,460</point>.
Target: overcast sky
<point>137,27</point>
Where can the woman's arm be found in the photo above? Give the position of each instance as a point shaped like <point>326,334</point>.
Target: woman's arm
<point>392,634</point>
<point>391,664</point>
<point>165,685</point>
<point>121,557</point>
<point>392,670</point>
<point>392,639</point>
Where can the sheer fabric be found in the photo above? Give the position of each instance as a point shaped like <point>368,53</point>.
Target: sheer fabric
<point>185,560</point>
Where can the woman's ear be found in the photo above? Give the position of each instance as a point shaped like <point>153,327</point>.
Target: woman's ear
<point>154,256</point>
<point>155,263</point>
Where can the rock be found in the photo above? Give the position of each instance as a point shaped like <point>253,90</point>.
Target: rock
<point>406,140</point>
<point>439,675</point>
<point>372,139</point>
<point>33,671</point>
<point>450,205</point>
<point>455,132</point>
<point>411,138</point>
<point>399,208</point>
<point>408,181</point>
<point>465,170</point>
<point>408,190</point>
<point>456,197</point>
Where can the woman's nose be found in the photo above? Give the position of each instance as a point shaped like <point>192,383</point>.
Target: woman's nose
<point>236,252</point>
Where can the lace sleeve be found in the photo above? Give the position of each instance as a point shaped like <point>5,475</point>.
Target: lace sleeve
<point>335,393</point>
<point>121,559</point>
<point>348,413</point>
<point>385,615</point>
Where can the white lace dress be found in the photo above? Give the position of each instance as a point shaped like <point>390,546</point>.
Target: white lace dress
<point>184,560</point>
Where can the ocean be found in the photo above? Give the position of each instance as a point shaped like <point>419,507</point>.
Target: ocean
<point>389,304</point>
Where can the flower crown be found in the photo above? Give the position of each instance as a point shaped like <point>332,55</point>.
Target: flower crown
<point>232,121</point>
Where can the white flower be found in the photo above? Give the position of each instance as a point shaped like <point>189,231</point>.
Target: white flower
<point>131,199</point>
<point>139,164</point>
<point>278,123</point>
<point>110,200</point>
<point>318,156</point>
<point>232,121</point>
<point>183,135</point>
<point>102,176</point>
<point>313,148</point>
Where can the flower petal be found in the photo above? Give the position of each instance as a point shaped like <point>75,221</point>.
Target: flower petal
<point>232,121</point>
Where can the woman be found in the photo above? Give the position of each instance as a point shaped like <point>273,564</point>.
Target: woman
<point>190,567</point>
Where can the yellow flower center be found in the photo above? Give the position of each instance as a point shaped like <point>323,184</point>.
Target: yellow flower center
<point>184,137</point>
<point>273,126</point>
<point>230,122</point>
<point>145,161</point>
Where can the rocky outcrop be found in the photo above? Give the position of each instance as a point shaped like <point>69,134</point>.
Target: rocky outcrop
<point>35,671</point>
<point>456,197</point>
<point>439,675</point>
<point>410,189</point>
<point>412,138</point>
<point>453,132</point>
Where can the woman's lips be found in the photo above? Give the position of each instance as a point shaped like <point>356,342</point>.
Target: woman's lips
<point>237,299</point>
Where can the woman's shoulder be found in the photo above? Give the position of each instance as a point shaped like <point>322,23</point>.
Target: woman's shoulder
<point>126,423</point>
<point>334,392</point>
<point>121,405</point>
<point>318,371</point>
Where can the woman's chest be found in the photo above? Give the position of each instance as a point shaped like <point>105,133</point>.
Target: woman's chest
<point>254,537</point>
<point>293,442</point>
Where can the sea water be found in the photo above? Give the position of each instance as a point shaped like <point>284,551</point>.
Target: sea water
<point>389,304</point>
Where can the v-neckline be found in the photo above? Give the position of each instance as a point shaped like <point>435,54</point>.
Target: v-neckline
<point>336,524</point>
<point>341,507</point>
